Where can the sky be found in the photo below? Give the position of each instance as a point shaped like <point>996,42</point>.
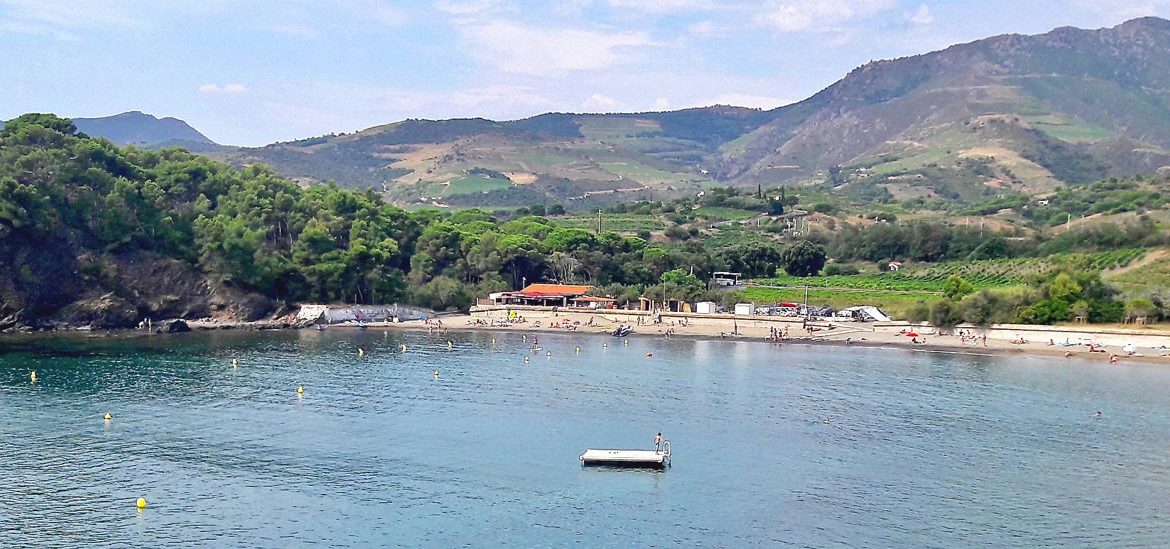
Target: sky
<point>251,72</point>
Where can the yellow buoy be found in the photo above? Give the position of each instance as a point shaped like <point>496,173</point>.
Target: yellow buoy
<point>141,503</point>
<point>33,377</point>
<point>109,416</point>
<point>525,337</point>
<point>578,349</point>
<point>361,352</point>
<point>436,374</point>
<point>404,348</point>
<point>235,363</point>
<point>450,343</point>
<point>300,390</point>
<point>493,341</point>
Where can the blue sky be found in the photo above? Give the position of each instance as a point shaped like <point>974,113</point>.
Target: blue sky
<point>252,72</point>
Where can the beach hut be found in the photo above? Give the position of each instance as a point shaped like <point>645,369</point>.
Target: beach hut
<point>705,307</point>
<point>745,309</point>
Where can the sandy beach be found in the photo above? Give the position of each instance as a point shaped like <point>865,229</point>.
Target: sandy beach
<point>790,330</point>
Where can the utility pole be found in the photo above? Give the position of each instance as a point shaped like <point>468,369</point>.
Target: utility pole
<point>598,221</point>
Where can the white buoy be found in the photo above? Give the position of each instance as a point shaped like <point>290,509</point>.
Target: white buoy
<point>450,343</point>
<point>436,374</point>
<point>235,363</point>
<point>300,390</point>
<point>404,348</point>
<point>33,377</point>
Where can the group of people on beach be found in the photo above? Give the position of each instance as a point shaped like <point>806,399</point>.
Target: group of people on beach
<point>968,337</point>
<point>776,335</point>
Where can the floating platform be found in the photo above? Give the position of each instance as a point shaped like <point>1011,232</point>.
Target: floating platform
<point>628,458</point>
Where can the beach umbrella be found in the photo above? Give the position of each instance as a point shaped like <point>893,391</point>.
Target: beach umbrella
<point>911,334</point>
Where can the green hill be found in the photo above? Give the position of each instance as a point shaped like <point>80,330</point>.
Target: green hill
<point>1009,113</point>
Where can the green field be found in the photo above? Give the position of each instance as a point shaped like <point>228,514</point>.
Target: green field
<point>622,223</point>
<point>730,214</point>
<point>928,279</point>
<point>1151,279</point>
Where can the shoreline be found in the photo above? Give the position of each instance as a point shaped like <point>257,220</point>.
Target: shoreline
<point>698,327</point>
<point>842,336</point>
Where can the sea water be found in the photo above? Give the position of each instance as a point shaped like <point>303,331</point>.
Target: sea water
<point>772,445</point>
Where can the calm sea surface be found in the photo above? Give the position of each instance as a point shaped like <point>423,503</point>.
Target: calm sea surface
<point>772,446</point>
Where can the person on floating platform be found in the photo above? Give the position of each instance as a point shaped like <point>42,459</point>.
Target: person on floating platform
<point>658,443</point>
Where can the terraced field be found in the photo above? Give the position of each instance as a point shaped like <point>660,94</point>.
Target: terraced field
<point>927,279</point>
<point>622,223</point>
<point>730,214</point>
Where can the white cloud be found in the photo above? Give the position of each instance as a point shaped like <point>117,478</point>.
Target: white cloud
<point>816,14</point>
<point>705,28</point>
<point>662,6</point>
<point>922,16</point>
<point>388,16</point>
<point>216,89</point>
<point>746,100</point>
<point>550,52</point>
<point>1126,9</point>
<point>297,31</point>
<point>570,8</point>
<point>601,103</point>
<point>60,19</point>
<point>464,8</point>
<point>662,104</point>
<point>477,99</point>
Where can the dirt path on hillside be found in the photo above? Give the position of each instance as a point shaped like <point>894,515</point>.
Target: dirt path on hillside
<point>1135,265</point>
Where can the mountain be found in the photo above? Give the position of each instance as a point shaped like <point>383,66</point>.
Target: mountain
<point>144,130</point>
<point>1007,113</point>
<point>1010,112</point>
<point>583,158</point>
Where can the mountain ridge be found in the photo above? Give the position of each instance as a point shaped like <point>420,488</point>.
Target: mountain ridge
<point>1011,112</point>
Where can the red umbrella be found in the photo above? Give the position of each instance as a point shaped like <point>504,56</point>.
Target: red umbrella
<point>911,334</point>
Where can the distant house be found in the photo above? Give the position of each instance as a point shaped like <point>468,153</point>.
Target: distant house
<point>895,265</point>
<point>547,295</point>
<point>721,278</point>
